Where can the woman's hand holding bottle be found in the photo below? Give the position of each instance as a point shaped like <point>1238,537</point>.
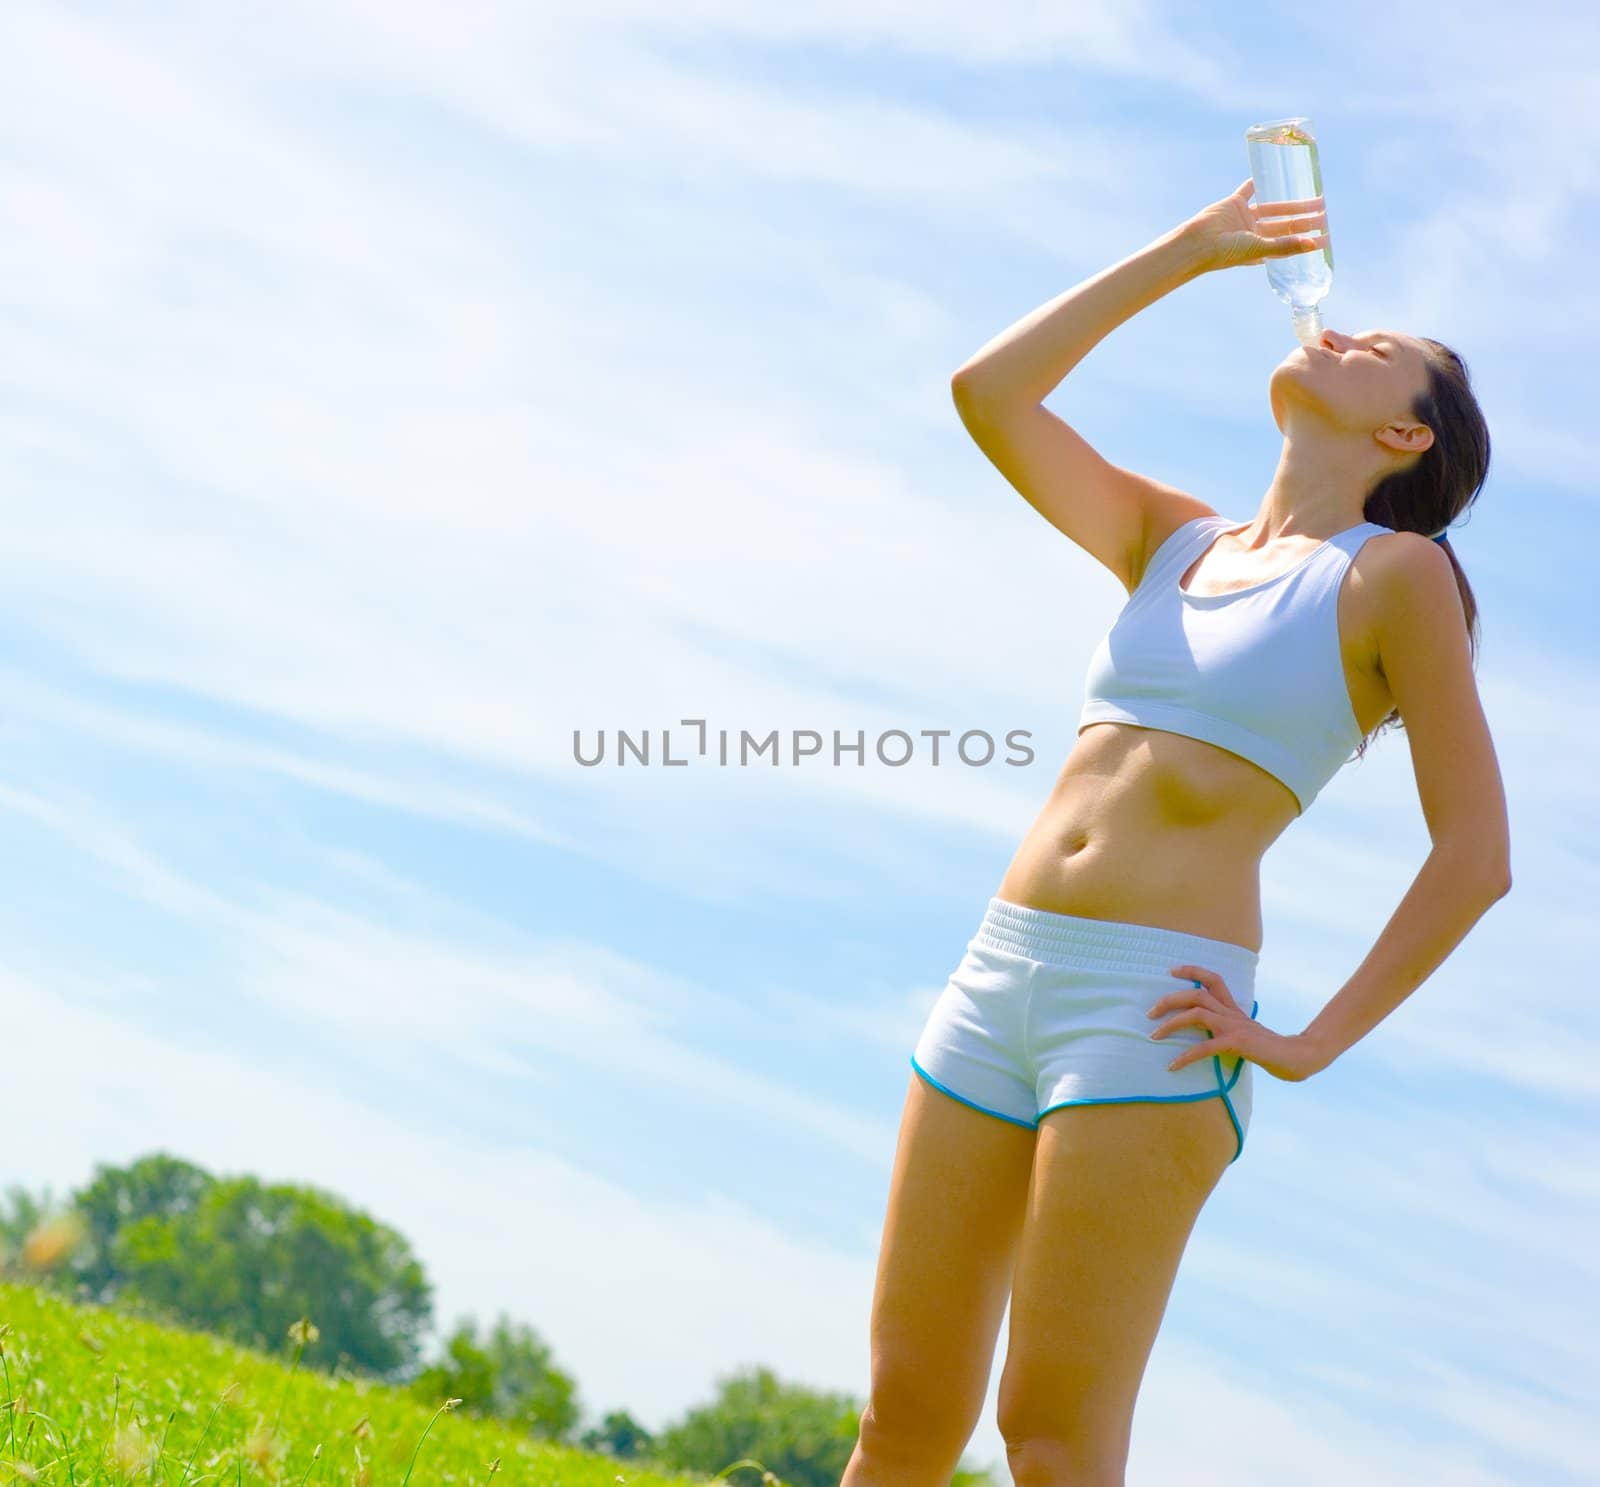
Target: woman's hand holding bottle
<point>1232,231</point>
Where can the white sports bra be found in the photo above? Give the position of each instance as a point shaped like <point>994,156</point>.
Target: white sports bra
<point>1257,671</point>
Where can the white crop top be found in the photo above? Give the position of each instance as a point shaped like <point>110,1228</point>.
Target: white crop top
<point>1257,671</point>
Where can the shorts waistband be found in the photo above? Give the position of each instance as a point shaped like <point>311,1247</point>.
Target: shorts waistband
<point>1107,944</point>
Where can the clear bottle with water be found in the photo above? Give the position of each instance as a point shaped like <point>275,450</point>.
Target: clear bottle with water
<point>1284,167</point>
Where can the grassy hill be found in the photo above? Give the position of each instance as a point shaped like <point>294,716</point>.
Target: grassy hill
<point>92,1397</point>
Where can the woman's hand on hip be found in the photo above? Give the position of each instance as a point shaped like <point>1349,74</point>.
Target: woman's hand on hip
<point>1232,231</point>
<point>1232,1029</point>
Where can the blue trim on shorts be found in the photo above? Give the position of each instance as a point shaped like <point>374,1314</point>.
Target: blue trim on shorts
<point>1221,1091</point>
<point>1027,1125</point>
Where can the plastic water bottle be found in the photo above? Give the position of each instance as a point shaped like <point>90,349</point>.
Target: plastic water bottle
<point>1284,167</point>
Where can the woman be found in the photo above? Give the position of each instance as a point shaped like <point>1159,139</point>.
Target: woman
<point>1085,1077</point>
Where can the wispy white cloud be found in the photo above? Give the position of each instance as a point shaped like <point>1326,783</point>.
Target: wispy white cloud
<point>399,999</point>
<point>210,749</point>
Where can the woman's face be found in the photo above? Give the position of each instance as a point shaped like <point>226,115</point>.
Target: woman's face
<point>1358,384</point>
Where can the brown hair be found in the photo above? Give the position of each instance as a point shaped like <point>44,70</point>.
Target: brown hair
<point>1442,483</point>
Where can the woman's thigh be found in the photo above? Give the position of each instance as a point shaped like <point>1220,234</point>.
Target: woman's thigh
<point>1114,1195</point>
<point>957,1195</point>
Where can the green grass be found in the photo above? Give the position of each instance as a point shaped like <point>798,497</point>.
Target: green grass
<point>93,1397</point>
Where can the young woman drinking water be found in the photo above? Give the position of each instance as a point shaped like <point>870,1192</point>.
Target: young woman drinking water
<point>1085,1077</point>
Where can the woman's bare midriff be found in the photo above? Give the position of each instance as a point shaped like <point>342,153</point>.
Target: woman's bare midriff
<point>1153,828</point>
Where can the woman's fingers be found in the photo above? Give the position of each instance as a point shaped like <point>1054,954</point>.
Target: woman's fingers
<point>1283,226</point>
<point>1205,981</point>
<point>1282,208</point>
<point>1286,247</point>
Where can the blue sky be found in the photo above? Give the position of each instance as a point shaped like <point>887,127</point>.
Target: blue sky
<point>390,390</point>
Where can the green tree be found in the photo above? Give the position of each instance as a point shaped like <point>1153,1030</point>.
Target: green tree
<point>802,1436</point>
<point>246,1259</point>
<point>156,1186</point>
<point>619,1434</point>
<point>510,1375</point>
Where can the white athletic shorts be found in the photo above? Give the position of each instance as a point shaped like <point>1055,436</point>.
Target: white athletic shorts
<point>1047,1010</point>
